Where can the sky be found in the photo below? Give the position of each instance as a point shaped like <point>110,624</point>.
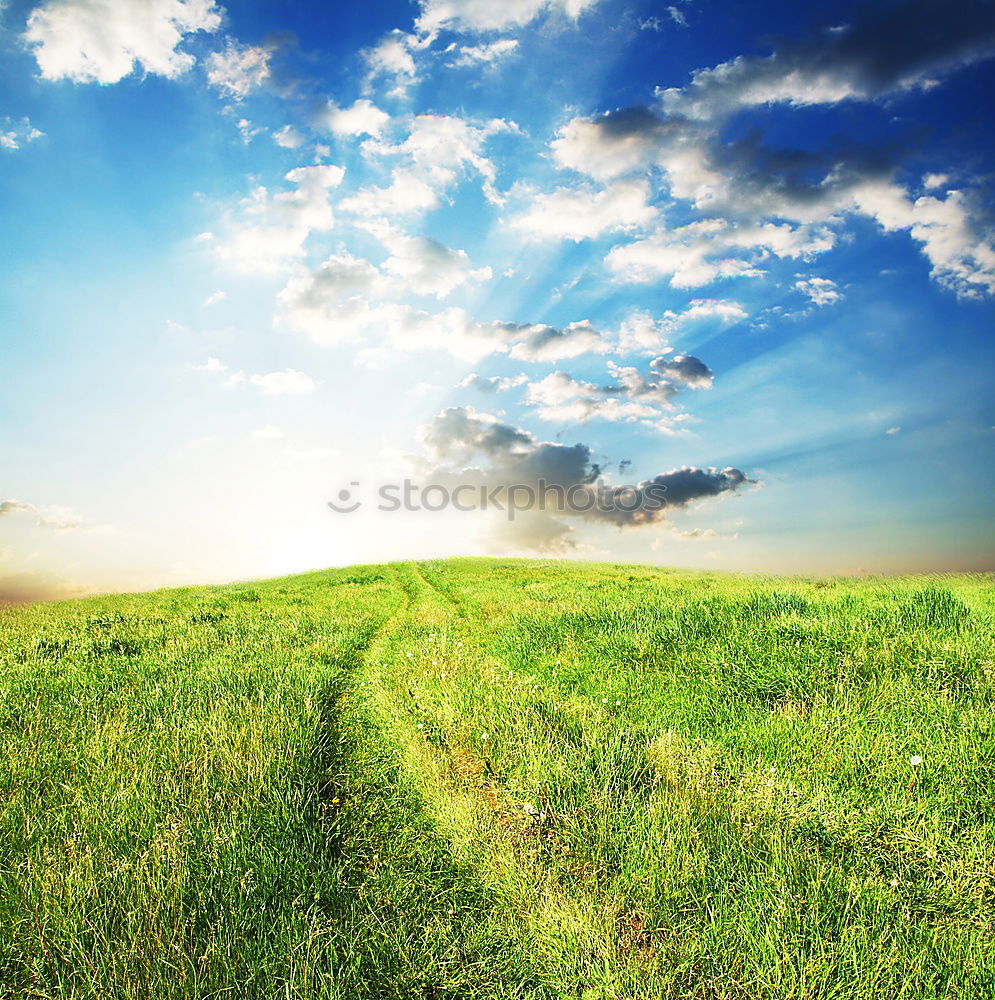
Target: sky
<point>261,258</point>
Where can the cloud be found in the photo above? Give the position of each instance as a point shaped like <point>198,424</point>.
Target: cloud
<point>888,49</point>
<point>289,382</point>
<point>767,201</point>
<point>437,152</point>
<point>392,58</point>
<point>960,249</point>
<point>15,507</point>
<point>342,301</point>
<point>15,134</point>
<point>705,251</point>
<point>274,227</point>
<point>486,53</point>
<point>495,383</point>
<point>361,118</point>
<point>684,370</point>
<point>640,333</point>
<point>211,365</point>
<point>492,15</point>
<point>463,446</point>
<point>562,399</point>
<point>52,516</point>
<point>288,137</point>
<point>238,69</point>
<point>425,266</point>
<point>632,397</point>
<point>821,291</point>
<point>104,40</point>
<point>582,213</point>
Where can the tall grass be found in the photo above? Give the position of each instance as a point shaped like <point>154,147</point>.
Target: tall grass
<point>501,779</point>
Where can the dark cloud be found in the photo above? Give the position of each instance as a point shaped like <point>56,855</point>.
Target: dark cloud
<point>684,369</point>
<point>466,447</point>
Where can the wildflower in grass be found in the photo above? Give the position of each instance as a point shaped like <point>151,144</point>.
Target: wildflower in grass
<point>915,760</point>
<point>408,655</point>
<point>485,736</point>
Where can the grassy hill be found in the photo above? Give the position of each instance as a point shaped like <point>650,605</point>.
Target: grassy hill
<point>501,779</point>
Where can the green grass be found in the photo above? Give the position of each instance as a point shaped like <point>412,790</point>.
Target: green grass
<point>501,779</point>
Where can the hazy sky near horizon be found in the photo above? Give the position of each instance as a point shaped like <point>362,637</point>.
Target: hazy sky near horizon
<point>257,254</point>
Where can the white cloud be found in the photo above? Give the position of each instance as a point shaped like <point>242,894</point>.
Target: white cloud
<point>640,333</point>
<point>560,398</point>
<point>490,15</point>
<point>214,298</point>
<point>238,69</point>
<point>437,152</point>
<point>274,227</point>
<point>288,137</point>
<point>486,52</point>
<point>582,213</point>
<point>341,301</point>
<point>213,365</point>
<point>361,118</point>
<point>425,266</point>
<point>494,383</point>
<point>289,382</point>
<point>960,250</point>
<point>15,134</point>
<point>392,58</point>
<point>631,397</point>
<point>51,516</point>
<point>104,40</point>
<point>822,291</point>
<point>705,251</point>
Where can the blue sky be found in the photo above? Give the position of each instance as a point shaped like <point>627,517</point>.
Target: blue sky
<point>255,255</point>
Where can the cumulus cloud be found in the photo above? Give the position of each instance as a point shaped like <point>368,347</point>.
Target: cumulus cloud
<point>494,383</point>
<point>52,516</point>
<point>425,266</point>
<point>392,58</point>
<point>953,237</point>
<point>362,117</point>
<point>103,41</point>
<point>703,252</point>
<point>288,137</point>
<point>632,397</point>
<point>778,202</point>
<point>15,134</point>
<point>684,370</point>
<point>492,15</point>
<point>273,228</point>
<point>561,398</point>
<point>583,213</point>
<point>238,69</point>
<point>288,382</point>
<point>437,152</point>
<point>821,291</point>
<point>463,446</point>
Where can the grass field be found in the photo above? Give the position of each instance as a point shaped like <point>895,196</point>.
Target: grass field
<point>501,779</point>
